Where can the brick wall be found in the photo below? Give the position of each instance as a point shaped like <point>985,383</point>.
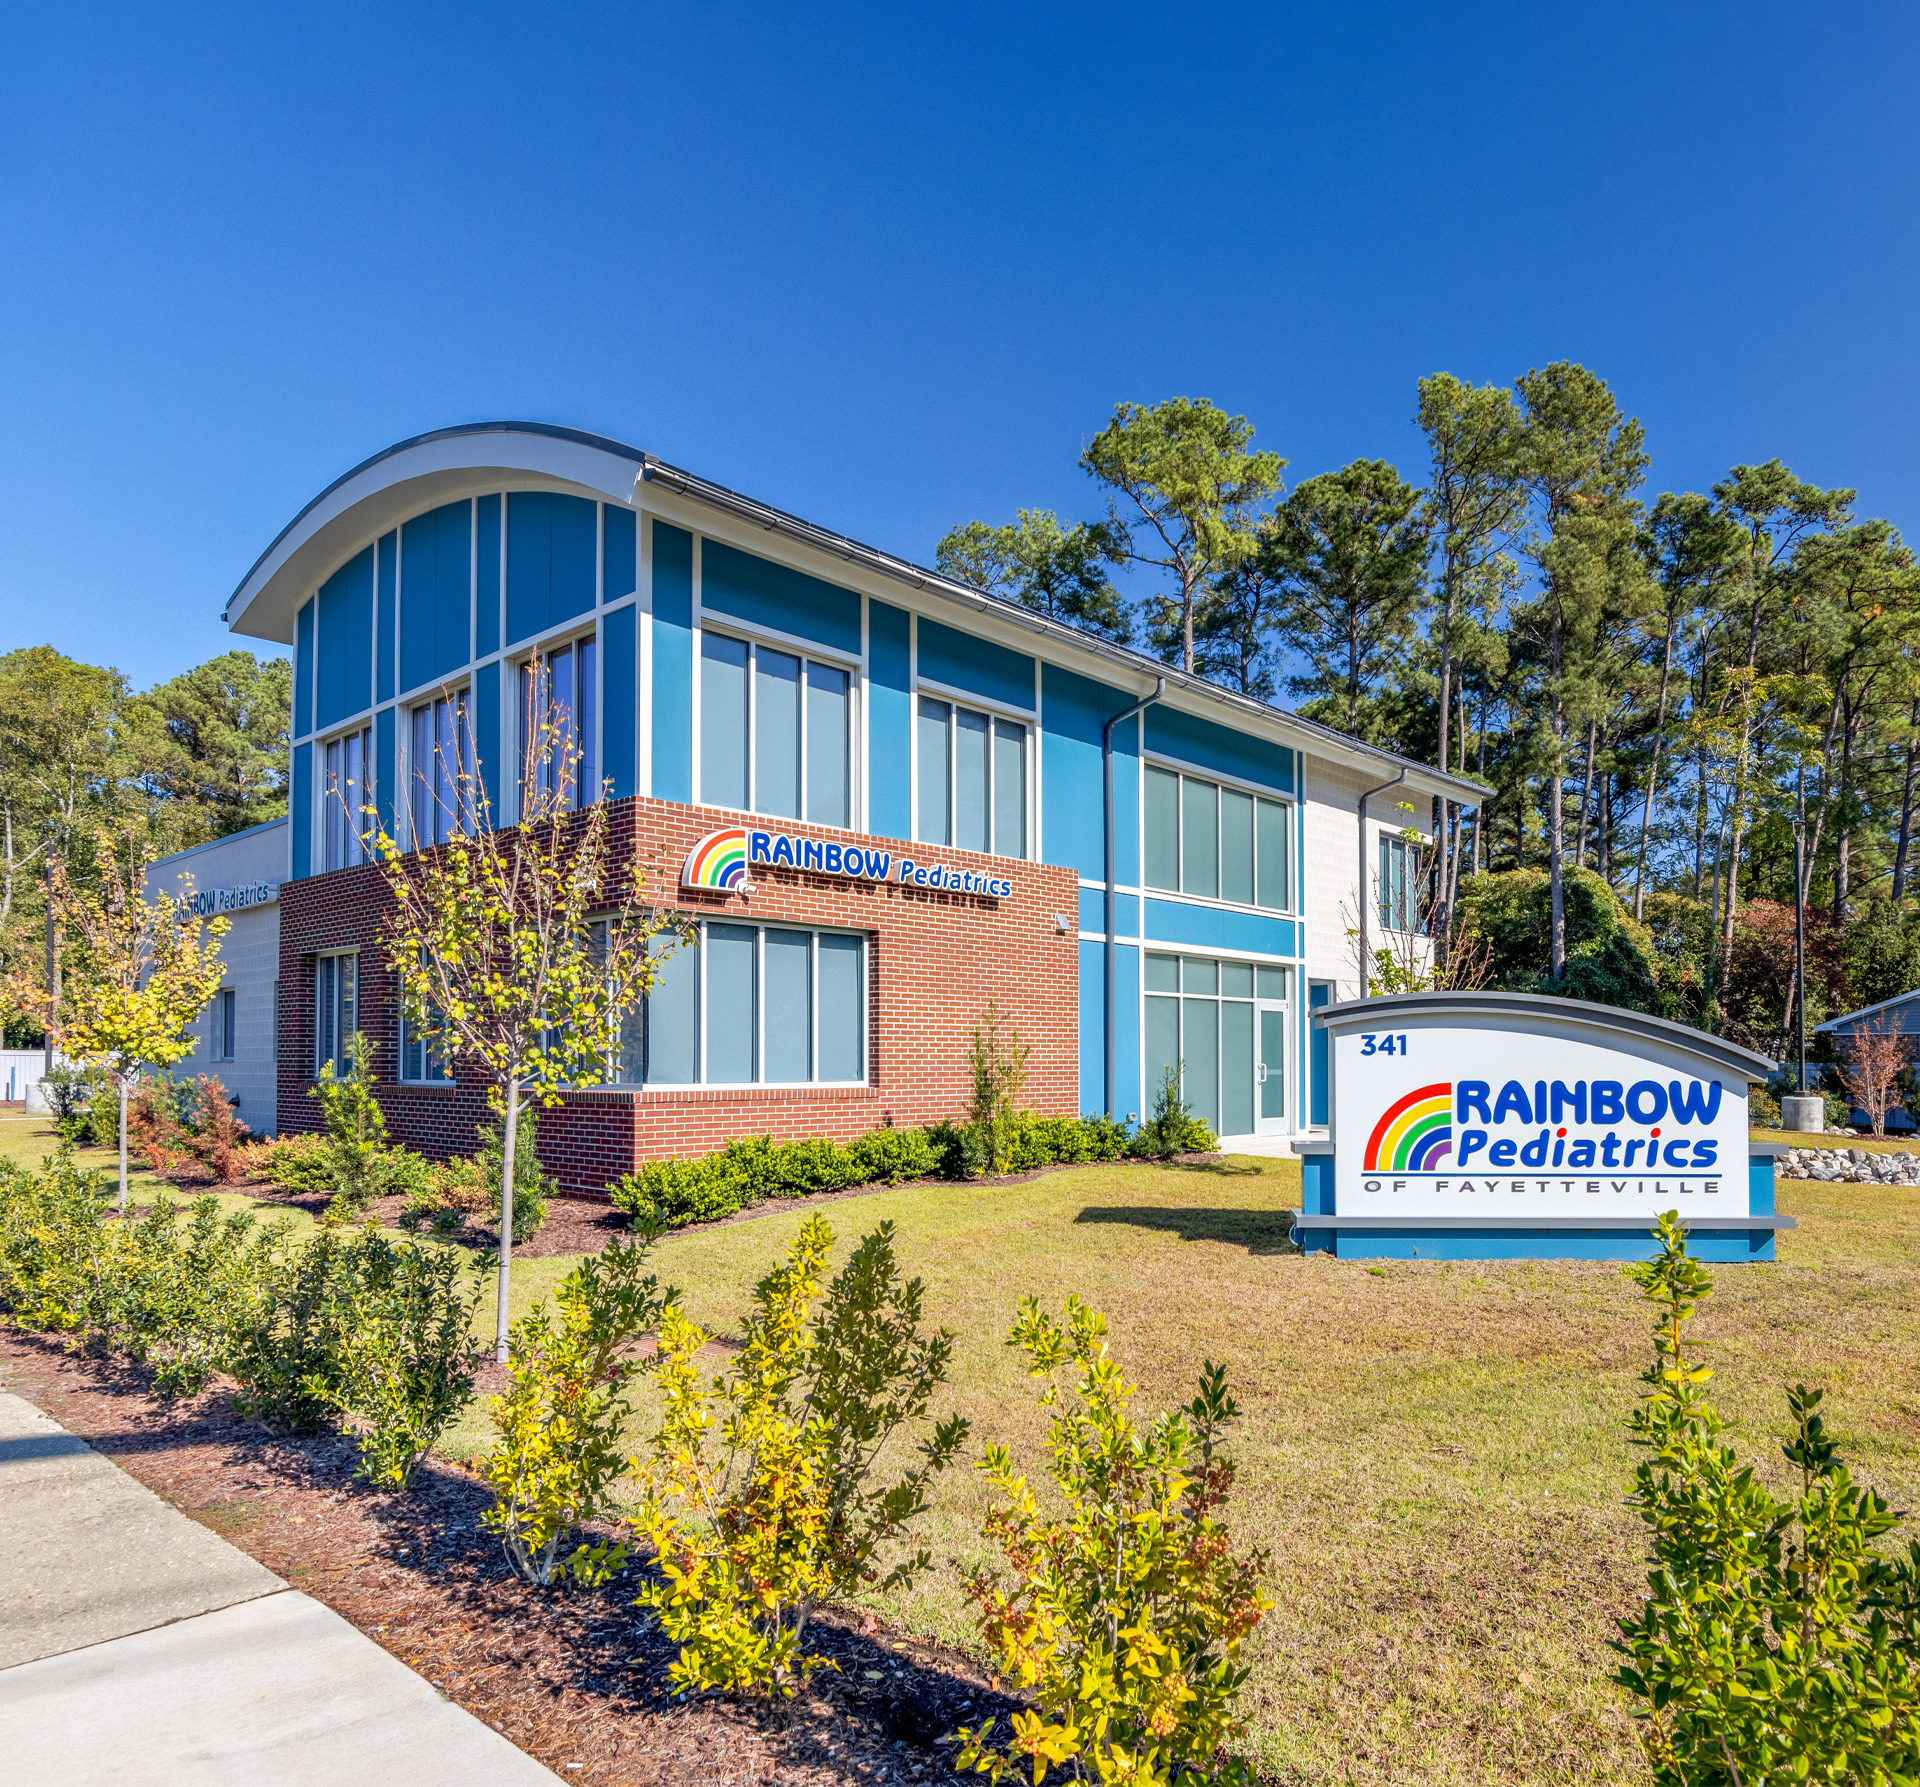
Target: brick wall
<point>934,960</point>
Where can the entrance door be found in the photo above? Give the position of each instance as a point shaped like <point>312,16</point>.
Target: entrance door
<point>1273,1114</point>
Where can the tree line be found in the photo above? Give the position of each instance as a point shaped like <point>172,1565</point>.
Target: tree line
<point>1659,691</point>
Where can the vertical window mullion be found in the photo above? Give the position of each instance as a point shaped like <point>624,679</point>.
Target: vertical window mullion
<point>760,1005</point>
<point>813,1005</point>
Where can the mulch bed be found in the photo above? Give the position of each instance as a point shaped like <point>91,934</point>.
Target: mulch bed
<point>575,1678</point>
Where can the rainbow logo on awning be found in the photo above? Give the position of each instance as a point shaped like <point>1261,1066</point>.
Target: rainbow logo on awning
<point>718,860</point>
<point>1413,1134</point>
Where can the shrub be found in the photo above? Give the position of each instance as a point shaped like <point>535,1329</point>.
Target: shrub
<point>531,1188</point>
<point>300,1163</point>
<point>1172,1129</point>
<point>68,1089</point>
<point>356,1127</point>
<point>288,1337</point>
<point>558,1454</point>
<point>894,1155</point>
<point>1764,1651</point>
<point>1763,1109</point>
<point>677,1192</point>
<point>759,1516</point>
<point>168,1290</point>
<point>1126,1611</point>
<point>407,1355</point>
<point>221,1131</point>
<point>52,1241</point>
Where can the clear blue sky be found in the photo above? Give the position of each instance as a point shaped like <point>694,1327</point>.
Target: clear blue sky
<point>889,267</point>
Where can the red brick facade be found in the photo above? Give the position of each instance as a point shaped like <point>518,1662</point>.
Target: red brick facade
<point>934,959</point>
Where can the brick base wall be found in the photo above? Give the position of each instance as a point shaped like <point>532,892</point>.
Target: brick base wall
<point>934,960</point>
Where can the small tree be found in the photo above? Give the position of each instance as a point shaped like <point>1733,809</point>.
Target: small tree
<point>521,947</point>
<point>997,1060</point>
<point>1877,1055</point>
<point>138,971</point>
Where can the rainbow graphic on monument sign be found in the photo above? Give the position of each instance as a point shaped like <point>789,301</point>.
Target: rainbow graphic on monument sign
<point>718,860</point>
<point>1414,1133</point>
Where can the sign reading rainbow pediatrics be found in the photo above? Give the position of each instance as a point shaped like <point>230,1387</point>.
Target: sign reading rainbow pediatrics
<point>724,860</point>
<point>1504,1107</point>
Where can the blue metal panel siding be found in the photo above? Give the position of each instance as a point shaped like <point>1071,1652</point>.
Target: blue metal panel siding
<point>618,575</point>
<point>619,730</point>
<point>1093,911</point>
<point>763,594</point>
<point>303,670</point>
<point>486,618</point>
<point>1213,927</point>
<point>889,721</point>
<point>1319,993</point>
<point>1760,1184</point>
<point>672,692</point>
<point>550,560</point>
<point>1093,1032</point>
<point>300,810</point>
<point>1720,1246</point>
<point>436,594</point>
<point>486,734</point>
<point>345,681</point>
<point>389,557</point>
<point>1073,709</point>
<point>1219,748</point>
<point>385,770</point>
<point>976,665</point>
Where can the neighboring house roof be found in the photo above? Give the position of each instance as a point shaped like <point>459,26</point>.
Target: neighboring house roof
<point>385,489</point>
<point>1908,1004</point>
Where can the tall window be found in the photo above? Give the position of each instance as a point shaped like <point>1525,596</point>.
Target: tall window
<point>752,1005</point>
<point>776,732</point>
<point>440,740</point>
<point>1222,1026</point>
<point>1218,842</point>
<point>557,720</point>
<point>1399,884</point>
<point>973,780</point>
<point>423,1052</point>
<point>344,792</point>
<point>222,1016</point>
<point>335,1009</point>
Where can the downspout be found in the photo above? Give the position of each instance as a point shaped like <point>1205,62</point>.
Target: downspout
<point>1113,916</point>
<point>1366,954</point>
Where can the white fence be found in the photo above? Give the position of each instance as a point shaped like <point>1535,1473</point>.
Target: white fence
<point>19,1069</point>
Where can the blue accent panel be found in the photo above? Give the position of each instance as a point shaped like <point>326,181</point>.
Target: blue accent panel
<point>486,734</point>
<point>619,728</point>
<point>1722,1246</point>
<point>486,616</point>
<point>383,594</point>
<point>672,692</point>
<point>1220,748</point>
<point>1093,911</point>
<point>1319,993</point>
<point>303,670</point>
<point>976,665</point>
<point>550,560</point>
<point>345,681</point>
<point>1760,1184</point>
<point>619,575</point>
<point>385,770</point>
<point>763,594</point>
<point>1316,1188</point>
<point>300,810</point>
<point>436,594</point>
<point>1093,1028</point>
<point>1073,709</point>
<point>889,721</point>
<point>1211,927</point>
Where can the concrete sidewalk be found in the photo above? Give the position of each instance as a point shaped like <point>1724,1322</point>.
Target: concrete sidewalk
<point>137,1646</point>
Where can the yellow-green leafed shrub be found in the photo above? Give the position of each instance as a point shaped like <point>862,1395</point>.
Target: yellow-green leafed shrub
<point>757,1497</point>
<point>1126,1609</point>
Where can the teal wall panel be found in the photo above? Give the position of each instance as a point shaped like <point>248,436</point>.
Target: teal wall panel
<point>383,615</point>
<point>672,692</point>
<point>303,670</point>
<point>300,811</point>
<point>1093,1029</point>
<point>1093,912</point>
<point>619,575</point>
<point>488,763</point>
<point>436,594</point>
<point>344,683</point>
<point>763,594</point>
<point>486,612</point>
<point>976,665</point>
<point>1073,709</point>
<point>619,678</point>
<point>889,721</point>
<point>551,545</point>
<point>1216,927</point>
<point>1219,748</point>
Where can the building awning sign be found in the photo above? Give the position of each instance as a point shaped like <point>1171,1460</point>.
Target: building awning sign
<point>723,861</point>
<point>209,901</point>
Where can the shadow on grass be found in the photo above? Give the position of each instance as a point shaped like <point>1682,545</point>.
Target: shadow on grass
<point>1258,1231</point>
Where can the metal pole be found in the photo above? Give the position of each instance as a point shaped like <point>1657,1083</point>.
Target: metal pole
<point>1800,948</point>
<point>1112,951</point>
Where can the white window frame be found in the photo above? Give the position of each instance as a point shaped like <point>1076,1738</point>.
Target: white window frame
<point>996,713</point>
<point>1188,773</point>
<point>332,1008</point>
<point>412,770</point>
<point>355,828</point>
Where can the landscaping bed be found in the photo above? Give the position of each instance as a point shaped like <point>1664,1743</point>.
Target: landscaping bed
<point>573,1677</point>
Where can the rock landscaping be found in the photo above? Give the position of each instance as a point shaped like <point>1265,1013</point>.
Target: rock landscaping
<point>1849,1166</point>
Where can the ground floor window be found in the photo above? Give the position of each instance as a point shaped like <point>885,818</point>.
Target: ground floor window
<point>335,1009</point>
<point>222,1038</point>
<point>1223,1028</point>
<point>423,1052</point>
<point>752,1005</point>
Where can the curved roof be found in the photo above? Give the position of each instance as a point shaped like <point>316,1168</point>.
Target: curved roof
<point>453,462</point>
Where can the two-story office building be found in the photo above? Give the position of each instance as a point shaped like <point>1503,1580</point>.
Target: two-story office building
<point>887,799</point>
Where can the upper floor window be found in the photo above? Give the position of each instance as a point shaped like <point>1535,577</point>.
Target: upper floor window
<point>344,792</point>
<point>1399,889</point>
<point>973,779</point>
<point>776,732</point>
<point>557,721</point>
<point>440,747</point>
<point>1217,842</point>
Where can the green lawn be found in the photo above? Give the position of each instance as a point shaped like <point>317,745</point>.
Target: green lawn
<point>1434,1453</point>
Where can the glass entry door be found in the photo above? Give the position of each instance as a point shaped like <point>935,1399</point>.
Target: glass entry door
<point>1273,1019</point>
